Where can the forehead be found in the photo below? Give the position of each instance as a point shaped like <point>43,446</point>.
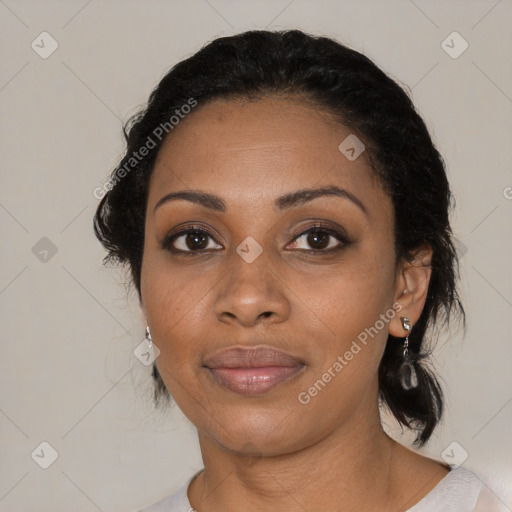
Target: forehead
<point>256,150</point>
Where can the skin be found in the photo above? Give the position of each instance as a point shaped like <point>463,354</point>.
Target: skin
<point>270,452</point>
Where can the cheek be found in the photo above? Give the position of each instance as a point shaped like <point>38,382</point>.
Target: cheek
<point>347,345</point>
<point>172,302</point>
<point>172,294</point>
<point>346,324</point>
<point>344,300</point>
<point>178,307</point>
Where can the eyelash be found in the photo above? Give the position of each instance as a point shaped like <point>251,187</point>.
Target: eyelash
<point>320,228</point>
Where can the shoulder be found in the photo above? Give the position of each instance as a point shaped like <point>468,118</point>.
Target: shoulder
<point>460,490</point>
<point>176,502</point>
<point>488,501</point>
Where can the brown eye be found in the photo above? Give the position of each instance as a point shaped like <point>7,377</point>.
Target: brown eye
<point>191,240</point>
<point>196,240</point>
<point>320,240</point>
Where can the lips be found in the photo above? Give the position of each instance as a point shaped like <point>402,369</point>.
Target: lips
<point>252,370</point>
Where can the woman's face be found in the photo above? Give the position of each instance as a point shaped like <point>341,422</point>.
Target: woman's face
<point>260,273</point>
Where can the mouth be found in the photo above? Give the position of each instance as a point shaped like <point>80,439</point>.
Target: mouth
<point>252,370</point>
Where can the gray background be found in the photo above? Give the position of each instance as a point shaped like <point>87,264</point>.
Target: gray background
<point>68,373</point>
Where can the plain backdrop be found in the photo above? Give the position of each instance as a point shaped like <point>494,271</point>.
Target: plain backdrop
<point>68,373</point>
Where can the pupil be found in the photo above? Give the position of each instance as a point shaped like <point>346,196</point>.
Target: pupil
<point>318,239</point>
<point>196,240</point>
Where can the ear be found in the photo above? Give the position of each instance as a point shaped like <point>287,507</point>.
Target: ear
<point>412,281</point>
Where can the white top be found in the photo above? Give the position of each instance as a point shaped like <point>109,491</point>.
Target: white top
<point>460,490</point>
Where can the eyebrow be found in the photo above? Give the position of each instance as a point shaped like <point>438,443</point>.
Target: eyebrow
<point>283,202</point>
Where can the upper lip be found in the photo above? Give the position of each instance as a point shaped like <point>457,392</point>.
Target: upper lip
<point>251,357</point>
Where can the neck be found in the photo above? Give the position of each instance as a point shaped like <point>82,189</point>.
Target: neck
<point>350,466</point>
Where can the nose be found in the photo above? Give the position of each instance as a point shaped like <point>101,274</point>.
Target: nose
<point>251,293</point>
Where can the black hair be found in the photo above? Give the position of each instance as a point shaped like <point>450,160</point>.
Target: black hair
<point>347,84</point>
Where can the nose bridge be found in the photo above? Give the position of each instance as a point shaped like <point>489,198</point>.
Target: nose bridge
<point>251,250</point>
<point>251,264</point>
<point>251,289</point>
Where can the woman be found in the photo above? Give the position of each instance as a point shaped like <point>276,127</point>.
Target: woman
<point>285,218</point>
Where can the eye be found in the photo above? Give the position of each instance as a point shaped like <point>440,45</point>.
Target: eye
<point>192,239</point>
<point>195,239</point>
<point>320,240</point>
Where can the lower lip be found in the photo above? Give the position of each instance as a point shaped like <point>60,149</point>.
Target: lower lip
<point>254,381</point>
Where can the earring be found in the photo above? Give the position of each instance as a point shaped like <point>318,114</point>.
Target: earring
<point>150,340</point>
<point>406,324</point>
<point>408,376</point>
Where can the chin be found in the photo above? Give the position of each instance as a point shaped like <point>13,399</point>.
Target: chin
<point>255,432</point>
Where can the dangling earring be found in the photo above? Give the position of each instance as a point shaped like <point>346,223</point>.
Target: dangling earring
<point>408,376</point>
<point>150,340</point>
